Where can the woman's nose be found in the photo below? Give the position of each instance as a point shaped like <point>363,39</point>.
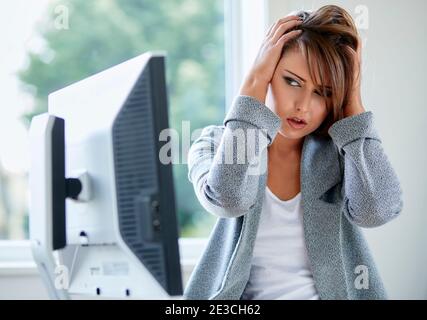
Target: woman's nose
<point>303,103</point>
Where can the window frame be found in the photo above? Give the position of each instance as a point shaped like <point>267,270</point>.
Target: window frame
<point>246,23</point>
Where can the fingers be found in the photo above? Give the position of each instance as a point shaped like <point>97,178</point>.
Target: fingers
<point>356,61</point>
<point>283,28</point>
<point>288,36</point>
<point>359,43</point>
<point>358,51</point>
<point>269,29</point>
<point>359,48</point>
<point>279,22</point>
<point>357,54</point>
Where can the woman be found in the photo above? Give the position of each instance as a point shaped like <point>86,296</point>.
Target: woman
<point>291,230</point>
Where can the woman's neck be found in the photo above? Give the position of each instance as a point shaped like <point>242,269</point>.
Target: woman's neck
<point>283,147</point>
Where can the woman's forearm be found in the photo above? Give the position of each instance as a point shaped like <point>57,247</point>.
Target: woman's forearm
<point>225,169</point>
<point>372,192</point>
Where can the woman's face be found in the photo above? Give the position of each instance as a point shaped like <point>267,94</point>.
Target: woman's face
<point>292,93</point>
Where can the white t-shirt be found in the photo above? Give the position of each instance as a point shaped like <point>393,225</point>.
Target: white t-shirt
<point>280,267</point>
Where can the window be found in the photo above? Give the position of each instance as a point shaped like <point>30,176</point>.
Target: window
<point>55,43</point>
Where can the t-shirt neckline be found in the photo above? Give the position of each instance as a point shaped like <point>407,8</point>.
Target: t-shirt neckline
<point>289,201</point>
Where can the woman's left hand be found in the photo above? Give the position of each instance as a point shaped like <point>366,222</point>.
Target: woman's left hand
<point>355,105</point>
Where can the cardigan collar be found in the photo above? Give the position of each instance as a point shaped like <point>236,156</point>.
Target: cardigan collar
<point>320,166</point>
<point>320,173</point>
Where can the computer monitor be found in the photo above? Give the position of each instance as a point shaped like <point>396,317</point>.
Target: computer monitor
<point>100,198</point>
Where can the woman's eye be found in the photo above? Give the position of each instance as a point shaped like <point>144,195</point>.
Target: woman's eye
<point>327,95</point>
<point>291,82</point>
<point>294,83</point>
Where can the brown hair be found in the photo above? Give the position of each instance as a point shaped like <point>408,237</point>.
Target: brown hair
<point>325,33</point>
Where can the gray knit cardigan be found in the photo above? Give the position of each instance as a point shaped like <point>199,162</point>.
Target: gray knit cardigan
<point>347,182</point>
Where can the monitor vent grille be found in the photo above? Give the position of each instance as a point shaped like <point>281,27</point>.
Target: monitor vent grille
<point>136,167</point>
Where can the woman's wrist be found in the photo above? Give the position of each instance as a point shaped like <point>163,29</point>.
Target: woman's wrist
<point>355,105</point>
<point>255,87</point>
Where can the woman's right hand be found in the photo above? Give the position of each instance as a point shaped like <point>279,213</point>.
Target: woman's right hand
<point>262,70</point>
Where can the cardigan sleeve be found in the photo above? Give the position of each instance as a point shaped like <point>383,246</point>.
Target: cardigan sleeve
<point>225,162</point>
<point>371,190</point>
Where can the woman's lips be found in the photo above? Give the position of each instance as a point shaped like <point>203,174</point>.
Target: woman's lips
<point>296,125</point>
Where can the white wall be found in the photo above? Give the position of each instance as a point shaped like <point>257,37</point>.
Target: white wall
<point>394,89</point>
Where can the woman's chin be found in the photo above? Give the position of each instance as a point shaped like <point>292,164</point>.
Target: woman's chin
<point>291,134</point>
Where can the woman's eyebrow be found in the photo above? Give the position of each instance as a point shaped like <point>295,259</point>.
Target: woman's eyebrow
<point>296,75</point>
<point>327,87</point>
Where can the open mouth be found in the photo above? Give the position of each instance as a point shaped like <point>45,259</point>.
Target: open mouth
<point>296,123</point>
